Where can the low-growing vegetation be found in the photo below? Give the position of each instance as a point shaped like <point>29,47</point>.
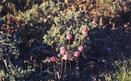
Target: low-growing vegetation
<point>65,40</point>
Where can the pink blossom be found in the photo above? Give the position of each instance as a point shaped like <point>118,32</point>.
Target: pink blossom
<point>65,57</point>
<point>62,48</point>
<point>53,58</point>
<point>77,53</point>
<point>62,52</point>
<point>85,31</point>
<point>69,37</point>
<point>80,48</point>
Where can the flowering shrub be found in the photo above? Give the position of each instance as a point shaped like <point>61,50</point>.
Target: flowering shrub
<point>68,34</point>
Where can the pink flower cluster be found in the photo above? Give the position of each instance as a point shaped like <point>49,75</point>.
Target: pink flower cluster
<point>53,58</point>
<point>84,31</point>
<point>63,53</point>
<point>69,37</point>
<point>77,53</point>
<point>80,48</point>
<point>62,50</point>
<point>65,56</point>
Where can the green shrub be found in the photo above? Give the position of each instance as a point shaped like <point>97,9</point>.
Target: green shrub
<point>10,58</point>
<point>13,6</point>
<point>122,72</point>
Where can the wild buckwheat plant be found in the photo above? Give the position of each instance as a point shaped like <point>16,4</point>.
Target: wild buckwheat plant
<point>68,36</point>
